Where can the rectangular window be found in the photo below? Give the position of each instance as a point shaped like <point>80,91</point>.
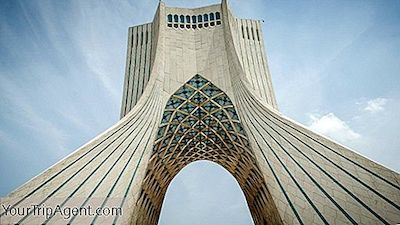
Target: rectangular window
<point>218,15</point>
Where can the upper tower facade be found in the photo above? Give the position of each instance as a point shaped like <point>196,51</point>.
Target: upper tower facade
<point>196,41</point>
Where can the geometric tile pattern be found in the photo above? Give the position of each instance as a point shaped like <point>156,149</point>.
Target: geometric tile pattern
<point>199,122</point>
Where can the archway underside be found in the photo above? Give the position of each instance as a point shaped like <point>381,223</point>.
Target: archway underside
<point>201,123</point>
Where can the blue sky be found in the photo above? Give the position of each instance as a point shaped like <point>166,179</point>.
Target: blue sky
<point>335,67</point>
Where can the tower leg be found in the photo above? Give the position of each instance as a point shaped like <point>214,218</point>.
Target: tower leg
<point>104,174</point>
<point>312,179</point>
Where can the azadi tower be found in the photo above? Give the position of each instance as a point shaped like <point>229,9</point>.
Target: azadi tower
<point>197,87</point>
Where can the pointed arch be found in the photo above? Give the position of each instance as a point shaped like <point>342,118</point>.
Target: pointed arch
<point>200,122</point>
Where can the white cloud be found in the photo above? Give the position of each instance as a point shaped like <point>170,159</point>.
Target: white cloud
<point>376,105</point>
<point>333,127</point>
